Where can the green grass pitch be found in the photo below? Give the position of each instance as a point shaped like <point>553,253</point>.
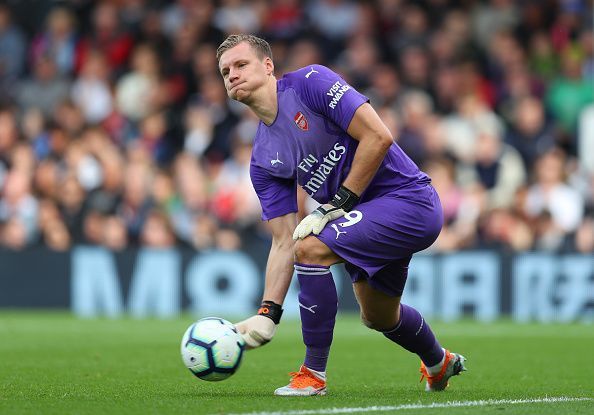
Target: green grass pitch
<point>53,363</point>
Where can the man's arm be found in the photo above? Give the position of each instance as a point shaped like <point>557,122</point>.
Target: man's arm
<point>259,329</point>
<point>279,268</point>
<point>374,141</point>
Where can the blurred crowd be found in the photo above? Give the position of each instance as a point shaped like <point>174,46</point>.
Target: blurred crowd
<point>115,128</point>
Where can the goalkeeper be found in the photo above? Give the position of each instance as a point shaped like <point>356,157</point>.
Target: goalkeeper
<point>377,209</point>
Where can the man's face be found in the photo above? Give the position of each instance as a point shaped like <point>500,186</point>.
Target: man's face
<point>243,72</point>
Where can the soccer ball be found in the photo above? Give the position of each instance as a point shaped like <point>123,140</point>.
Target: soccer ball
<point>212,349</point>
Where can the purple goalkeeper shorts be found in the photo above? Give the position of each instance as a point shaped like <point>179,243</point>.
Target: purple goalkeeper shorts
<point>377,238</point>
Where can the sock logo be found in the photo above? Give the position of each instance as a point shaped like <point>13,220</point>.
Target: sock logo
<point>310,309</point>
<point>420,327</point>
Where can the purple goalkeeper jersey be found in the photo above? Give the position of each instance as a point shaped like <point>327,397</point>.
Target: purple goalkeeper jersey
<point>307,144</point>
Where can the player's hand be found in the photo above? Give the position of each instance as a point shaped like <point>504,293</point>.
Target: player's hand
<point>259,329</point>
<point>256,331</point>
<point>315,221</point>
<point>342,202</point>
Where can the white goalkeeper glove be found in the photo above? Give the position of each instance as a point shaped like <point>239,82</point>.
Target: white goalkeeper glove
<point>343,202</point>
<point>316,220</point>
<point>259,329</point>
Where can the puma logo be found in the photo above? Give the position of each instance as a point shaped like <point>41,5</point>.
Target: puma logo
<point>338,232</point>
<point>310,309</point>
<point>277,161</point>
<point>310,72</point>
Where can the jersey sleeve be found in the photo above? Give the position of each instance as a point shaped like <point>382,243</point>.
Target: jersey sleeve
<point>277,196</point>
<point>326,93</point>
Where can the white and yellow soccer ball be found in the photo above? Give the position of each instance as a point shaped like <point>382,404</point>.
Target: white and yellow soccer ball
<point>212,349</point>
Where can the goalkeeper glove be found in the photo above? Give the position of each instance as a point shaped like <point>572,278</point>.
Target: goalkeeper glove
<point>343,202</point>
<point>259,329</point>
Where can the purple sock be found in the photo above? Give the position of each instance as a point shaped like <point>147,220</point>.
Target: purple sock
<point>414,334</point>
<point>318,304</point>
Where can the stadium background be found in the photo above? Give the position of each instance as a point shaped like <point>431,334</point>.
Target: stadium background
<point>124,168</point>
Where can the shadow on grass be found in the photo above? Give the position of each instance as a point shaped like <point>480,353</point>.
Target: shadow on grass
<point>219,394</point>
<point>385,395</point>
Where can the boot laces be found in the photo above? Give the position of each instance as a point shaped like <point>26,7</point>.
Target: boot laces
<point>303,379</point>
<point>439,376</point>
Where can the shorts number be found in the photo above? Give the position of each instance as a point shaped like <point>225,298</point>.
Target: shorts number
<point>353,217</point>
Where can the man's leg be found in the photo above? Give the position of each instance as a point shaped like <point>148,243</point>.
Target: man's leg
<point>398,322</point>
<point>376,242</point>
<point>405,326</point>
<point>318,304</point>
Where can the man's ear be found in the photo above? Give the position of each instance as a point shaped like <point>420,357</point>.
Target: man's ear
<point>269,66</point>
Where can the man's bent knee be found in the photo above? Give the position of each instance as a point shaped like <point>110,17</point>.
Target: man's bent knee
<point>313,251</point>
<point>378,324</point>
<point>367,323</point>
<point>379,311</point>
<point>380,319</point>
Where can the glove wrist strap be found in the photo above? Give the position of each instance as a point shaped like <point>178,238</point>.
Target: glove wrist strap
<point>345,199</point>
<point>271,310</point>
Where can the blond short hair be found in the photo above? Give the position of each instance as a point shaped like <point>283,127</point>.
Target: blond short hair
<point>260,46</point>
